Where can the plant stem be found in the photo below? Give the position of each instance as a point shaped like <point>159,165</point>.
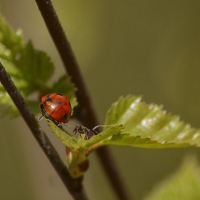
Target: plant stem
<point>73,185</point>
<point>85,110</point>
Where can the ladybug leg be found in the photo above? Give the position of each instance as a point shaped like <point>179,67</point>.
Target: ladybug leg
<point>43,112</point>
<point>59,124</point>
<point>39,118</point>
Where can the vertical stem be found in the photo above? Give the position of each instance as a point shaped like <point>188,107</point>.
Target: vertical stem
<point>85,111</point>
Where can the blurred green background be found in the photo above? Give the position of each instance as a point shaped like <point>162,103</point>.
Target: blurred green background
<point>149,48</point>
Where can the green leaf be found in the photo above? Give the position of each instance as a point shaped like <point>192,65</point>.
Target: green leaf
<point>67,139</point>
<point>78,148</point>
<point>35,67</point>
<point>137,141</point>
<point>184,184</point>
<point>149,126</point>
<point>30,69</point>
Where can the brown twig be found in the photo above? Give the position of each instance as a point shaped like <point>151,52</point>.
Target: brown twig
<point>85,111</point>
<point>73,185</point>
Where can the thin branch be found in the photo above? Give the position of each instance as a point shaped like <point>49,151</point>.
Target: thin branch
<point>85,111</point>
<point>73,185</point>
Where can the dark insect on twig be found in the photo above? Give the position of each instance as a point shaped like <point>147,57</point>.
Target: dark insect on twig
<point>84,130</point>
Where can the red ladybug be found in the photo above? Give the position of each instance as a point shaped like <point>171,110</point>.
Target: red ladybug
<point>56,107</point>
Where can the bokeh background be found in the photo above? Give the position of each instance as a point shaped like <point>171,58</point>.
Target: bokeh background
<point>149,48</point>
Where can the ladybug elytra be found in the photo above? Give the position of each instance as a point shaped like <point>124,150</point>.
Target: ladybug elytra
<point>56,107</point>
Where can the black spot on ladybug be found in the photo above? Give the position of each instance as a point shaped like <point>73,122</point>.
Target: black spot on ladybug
<point>48,98</point>
<point>65,116</point>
